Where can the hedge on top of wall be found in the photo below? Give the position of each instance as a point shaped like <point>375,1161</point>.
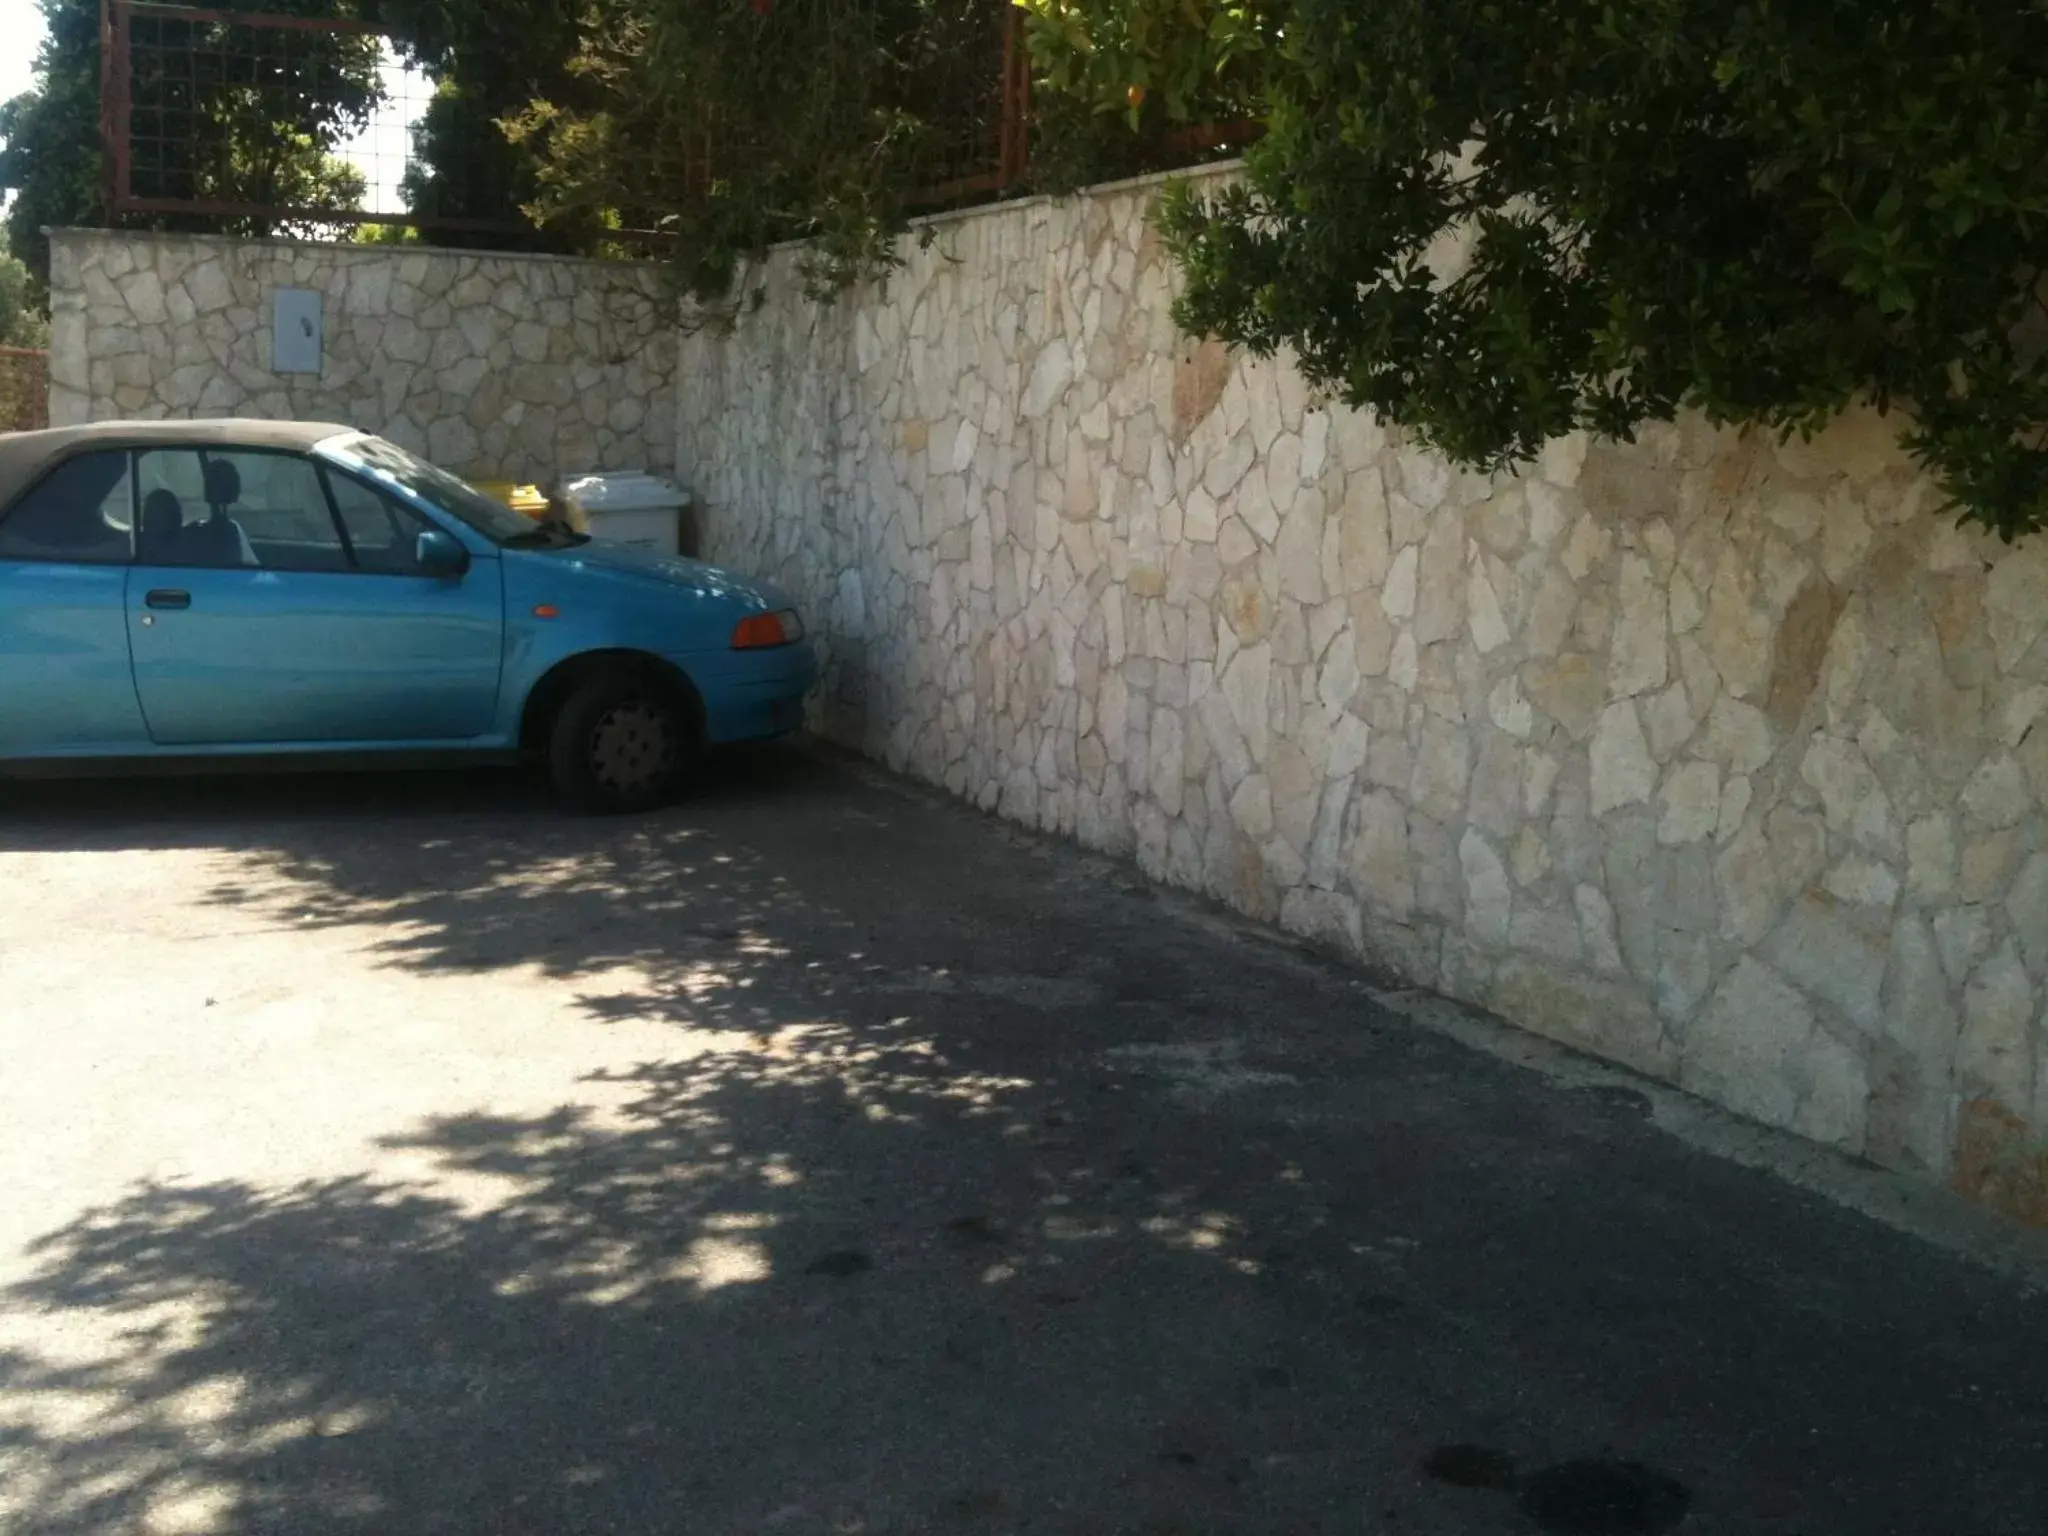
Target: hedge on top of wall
<point>1495,223</point>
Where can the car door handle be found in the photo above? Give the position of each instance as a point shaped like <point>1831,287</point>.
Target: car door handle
<point>168,597</point>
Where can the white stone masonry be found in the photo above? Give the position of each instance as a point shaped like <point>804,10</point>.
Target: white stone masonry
<point>506,367</point>
<point>1722,758</point>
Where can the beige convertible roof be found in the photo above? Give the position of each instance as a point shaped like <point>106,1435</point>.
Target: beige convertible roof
<point>24,456</point>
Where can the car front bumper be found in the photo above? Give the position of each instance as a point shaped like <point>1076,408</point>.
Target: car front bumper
<point>749,695</point>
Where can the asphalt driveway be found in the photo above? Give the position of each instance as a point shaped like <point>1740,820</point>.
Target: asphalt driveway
<point>394,1155</point>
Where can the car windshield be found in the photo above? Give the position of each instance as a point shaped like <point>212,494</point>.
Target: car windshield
<point>392,465</point>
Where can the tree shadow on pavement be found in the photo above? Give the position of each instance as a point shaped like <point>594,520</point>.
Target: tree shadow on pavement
<point>980,1192</point>
<point>832,1280</point>
<point>778,854</point>
<point>859,1256</point>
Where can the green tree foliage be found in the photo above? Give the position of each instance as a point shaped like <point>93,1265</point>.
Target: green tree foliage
<point>250,141</point>
<point>1129,86</point>
<point>489,64</point>
<point>731,124</point>
<point>23,386</point>
<point>1495,223</point>
<point>22,322</point>
<point>49,136</point>
<point>1148,61</point>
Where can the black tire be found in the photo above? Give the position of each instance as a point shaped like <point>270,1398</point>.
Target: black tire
<point>623,741</point>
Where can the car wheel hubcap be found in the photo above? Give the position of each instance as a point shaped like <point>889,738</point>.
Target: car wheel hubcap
<point>633,746</point>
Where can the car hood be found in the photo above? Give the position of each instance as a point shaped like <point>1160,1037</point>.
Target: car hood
<point>676,571</point>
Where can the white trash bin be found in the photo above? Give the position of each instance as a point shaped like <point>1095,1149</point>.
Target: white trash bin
<point>628,507</point>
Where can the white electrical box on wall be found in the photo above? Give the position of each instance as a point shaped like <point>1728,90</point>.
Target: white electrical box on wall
<point>295,331</point>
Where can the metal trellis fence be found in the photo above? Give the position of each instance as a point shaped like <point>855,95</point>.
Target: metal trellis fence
<point>258,122</point>
<point>273,120</point>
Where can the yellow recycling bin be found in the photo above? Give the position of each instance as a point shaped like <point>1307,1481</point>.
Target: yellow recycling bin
<point>520,498</point>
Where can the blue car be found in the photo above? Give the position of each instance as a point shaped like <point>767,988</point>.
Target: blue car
<point>261,589</point>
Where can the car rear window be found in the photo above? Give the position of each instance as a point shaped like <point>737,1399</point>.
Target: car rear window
<point>80,512</point>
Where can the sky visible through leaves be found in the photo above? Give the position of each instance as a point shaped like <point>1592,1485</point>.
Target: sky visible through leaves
<point>380,150</point>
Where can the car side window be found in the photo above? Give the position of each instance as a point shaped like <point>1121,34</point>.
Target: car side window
<point>383,534</point>
<point>79,513</point>
<point>236,507</point>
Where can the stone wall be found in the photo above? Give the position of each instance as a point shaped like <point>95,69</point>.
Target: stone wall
<point>498,366</point>
<point>1724,759</point>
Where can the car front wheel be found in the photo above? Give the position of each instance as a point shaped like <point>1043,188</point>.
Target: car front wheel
<point>621,743</point>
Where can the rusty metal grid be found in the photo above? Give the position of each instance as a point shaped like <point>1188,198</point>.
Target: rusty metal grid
<point>982,77</point>
<point>962,72</point>
<point>239,115</point>
<point>226,116</point>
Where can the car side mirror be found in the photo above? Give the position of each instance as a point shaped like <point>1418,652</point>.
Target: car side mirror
<point>440,554</point>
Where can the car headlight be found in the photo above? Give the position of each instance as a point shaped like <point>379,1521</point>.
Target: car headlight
<point>759,631</point>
